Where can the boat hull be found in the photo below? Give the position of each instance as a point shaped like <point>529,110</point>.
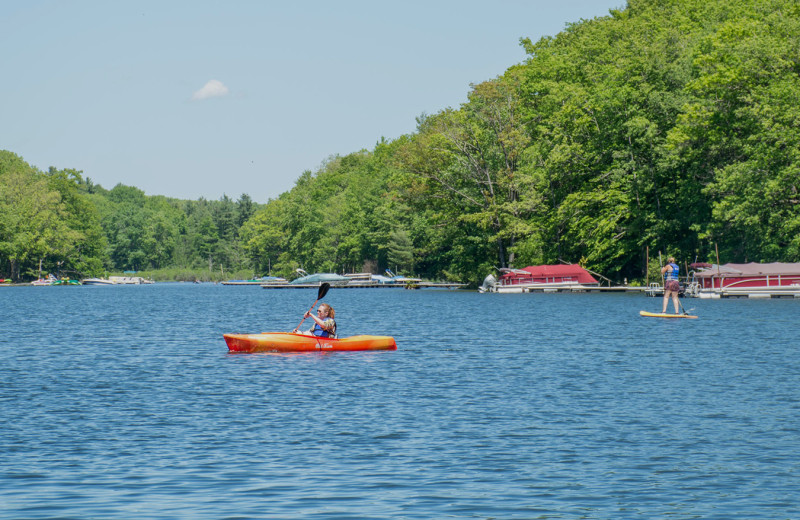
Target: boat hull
<point>543,287</point>
<point>97,281</point>
<point>665,315</point>
<point>288,342</point>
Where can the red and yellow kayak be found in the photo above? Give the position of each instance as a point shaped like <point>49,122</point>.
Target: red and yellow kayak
<point>289,342</point>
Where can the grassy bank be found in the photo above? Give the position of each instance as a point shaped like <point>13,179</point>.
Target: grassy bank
<point>184,274</point>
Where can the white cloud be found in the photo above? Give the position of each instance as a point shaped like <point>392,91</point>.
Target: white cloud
<point>213,88</point>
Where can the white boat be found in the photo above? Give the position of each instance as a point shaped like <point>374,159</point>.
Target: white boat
<point>97,281</point>
<point>318,278</point>
<point>395,278</point>
<point>50,280</point>
<point>129,280</point>
<point>377,280</point>
<point>264,280</point>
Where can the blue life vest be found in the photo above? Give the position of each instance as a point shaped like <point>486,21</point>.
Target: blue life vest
<point>672,275</point>
<point>322,333</point>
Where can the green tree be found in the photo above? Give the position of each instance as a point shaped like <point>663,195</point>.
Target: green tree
<point>245,207</point>
<point>400,251</point>
<point>739,132</point>
<point>265,239</point>
<point>206,240</point>
<point>46,221</point>
<point>31,223</point>
<point>85,253</point>
<point>469,162</point>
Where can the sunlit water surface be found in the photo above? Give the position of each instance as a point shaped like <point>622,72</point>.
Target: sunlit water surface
<point>123,402</point>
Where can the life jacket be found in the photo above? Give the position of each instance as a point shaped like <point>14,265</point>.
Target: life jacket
<point>322,333</point>
<point>672,275</point>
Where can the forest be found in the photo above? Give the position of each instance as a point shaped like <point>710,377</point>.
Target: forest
<point>669,125</point>
<point>60,222</point>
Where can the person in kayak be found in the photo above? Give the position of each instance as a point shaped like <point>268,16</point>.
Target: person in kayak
<point>324,324</point>
<point>671,285</point>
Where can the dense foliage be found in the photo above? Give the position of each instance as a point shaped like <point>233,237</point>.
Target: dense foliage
<point>670,125</point>
<point>59,222</point>
<point>343,218</point>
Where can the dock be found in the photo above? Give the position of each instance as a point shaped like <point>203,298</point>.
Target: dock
<point>416,285</point>
<point>615,289</point>
<point>765,293</point>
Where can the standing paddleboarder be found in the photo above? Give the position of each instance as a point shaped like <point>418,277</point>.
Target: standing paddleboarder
<point>671,285</point>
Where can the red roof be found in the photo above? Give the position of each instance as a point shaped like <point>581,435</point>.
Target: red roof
<point>561,272</point>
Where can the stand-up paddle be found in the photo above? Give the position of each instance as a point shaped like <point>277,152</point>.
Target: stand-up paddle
<point>681,306</point>
<point>323,290</point>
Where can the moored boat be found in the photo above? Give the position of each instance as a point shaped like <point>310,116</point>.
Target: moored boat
<point>45,281</point>
<point>401,280</point>
<point>318,278</point>
<point>264,280</point>
<point>290,342</point>
<point>376,280</point>
<point>129,280</point>
<point>546,278</point>
<point>66,281</point>
<point>97,281</point>
<point>752,280</point>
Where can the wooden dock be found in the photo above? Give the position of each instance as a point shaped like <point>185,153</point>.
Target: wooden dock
<point>415,285</point>
<point>765,293</point>
<point>615,289</point>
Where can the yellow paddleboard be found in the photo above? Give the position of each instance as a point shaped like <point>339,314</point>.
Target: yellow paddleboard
<point>665,315</point>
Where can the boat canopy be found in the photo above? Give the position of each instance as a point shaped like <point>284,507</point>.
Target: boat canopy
<point>751,269</point>
<point>548,273</point>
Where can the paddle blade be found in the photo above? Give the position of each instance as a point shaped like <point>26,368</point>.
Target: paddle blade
<point>323,290</point>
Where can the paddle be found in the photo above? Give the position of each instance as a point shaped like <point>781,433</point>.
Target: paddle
<point>681,306</point>
<point>323,290</point>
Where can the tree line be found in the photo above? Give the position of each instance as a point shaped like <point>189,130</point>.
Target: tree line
<point>669,125</point>
<point>60,222</point>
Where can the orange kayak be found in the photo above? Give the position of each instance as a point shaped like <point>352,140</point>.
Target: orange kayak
<point>289,342</point>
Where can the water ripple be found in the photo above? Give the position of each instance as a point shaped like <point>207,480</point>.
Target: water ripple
<point>124,403</point>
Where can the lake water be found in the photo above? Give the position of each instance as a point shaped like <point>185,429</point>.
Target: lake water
<point>123,402</point>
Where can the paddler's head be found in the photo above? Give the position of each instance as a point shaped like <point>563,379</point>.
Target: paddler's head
<point>326,311</point>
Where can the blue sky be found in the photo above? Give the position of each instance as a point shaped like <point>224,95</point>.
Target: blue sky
<point>197,99</point>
